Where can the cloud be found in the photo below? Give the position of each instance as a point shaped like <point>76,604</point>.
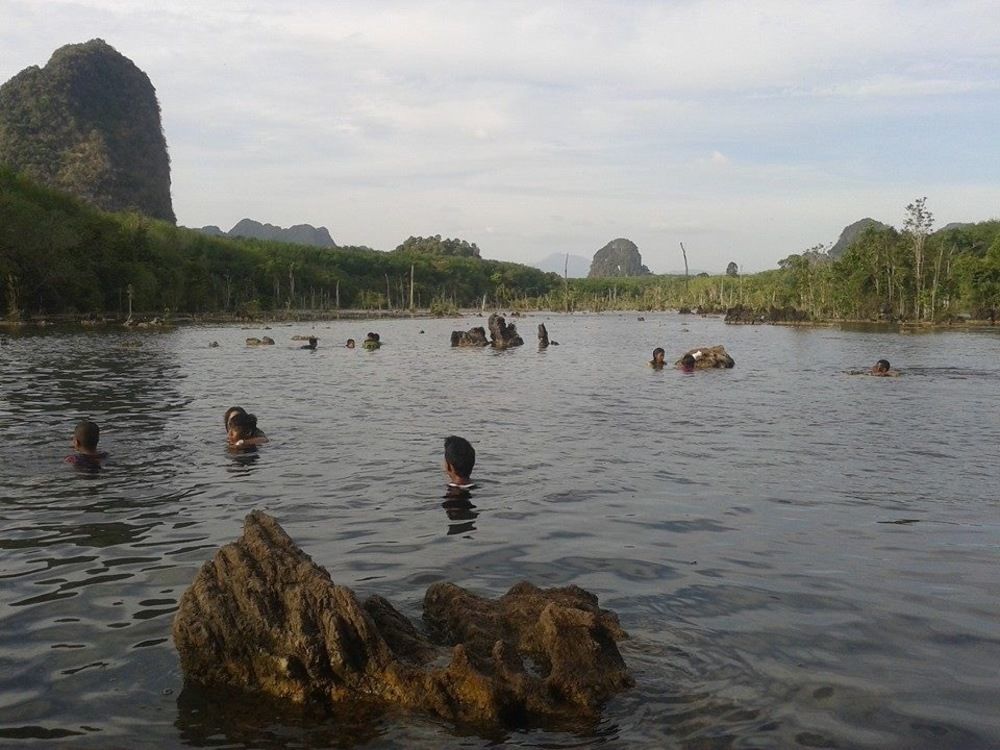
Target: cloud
<point>755,126</point>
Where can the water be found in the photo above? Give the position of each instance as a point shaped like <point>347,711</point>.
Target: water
<point>801,557</point>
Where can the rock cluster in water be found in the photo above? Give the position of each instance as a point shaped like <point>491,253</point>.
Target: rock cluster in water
<point>262,616</point>
<point>502,335</point>
<point>747,315</point>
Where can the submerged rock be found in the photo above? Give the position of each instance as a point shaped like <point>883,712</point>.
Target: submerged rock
<point>706,357</point>
<point>262,616</point>
<point>747,315</point>
<point>504,336</point>
<point>473,337</point>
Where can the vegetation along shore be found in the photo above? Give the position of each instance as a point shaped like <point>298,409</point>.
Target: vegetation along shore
<point>62,259</point>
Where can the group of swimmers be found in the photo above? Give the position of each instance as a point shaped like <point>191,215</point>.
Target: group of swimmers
<point>242,434</point>
<point>371,342</point>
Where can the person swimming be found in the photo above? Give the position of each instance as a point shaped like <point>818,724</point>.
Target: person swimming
<point>657,361</point>
<point>687,362</point>
<point>349,344</point>
<point>313,342</point>
<point>241,428</point>
<point>459,460</point>
<point>883,369</point>
<point>372,342</point>
<point>85,438</point>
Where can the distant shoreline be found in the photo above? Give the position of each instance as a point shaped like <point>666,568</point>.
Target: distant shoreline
<point>153,322</point>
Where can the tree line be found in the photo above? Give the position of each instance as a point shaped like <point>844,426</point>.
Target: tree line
<point>61,256</point>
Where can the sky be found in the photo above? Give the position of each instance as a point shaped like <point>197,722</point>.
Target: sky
<point>745,130</point>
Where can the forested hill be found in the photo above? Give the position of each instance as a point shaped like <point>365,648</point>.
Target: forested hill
<point>59,255</point>
<point>88,123</point>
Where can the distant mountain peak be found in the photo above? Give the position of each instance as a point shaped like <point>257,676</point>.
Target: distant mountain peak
<point>620,257</point>
<point>298,234</point>
<point>851,233</point>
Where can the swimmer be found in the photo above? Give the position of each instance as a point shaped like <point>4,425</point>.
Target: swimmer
<point>85,438</point>
<point>236,418</point>
<point>372,341</point>
<point>687,362</point>
<point>313,341</point>
<point>459,459</point>
<point>882,369</point>
<point>349,344</point>
<point>657,361</point>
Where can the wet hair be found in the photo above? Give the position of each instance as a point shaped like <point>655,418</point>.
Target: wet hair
<point>87,434</point>
<point>244,424</point>
<point>230,412</point>
<point>350,343</point>
<point>658,350</point>
<point>688,360</point>
<point>373,336</point>
<point>459,454</point>
<point>882,365</point>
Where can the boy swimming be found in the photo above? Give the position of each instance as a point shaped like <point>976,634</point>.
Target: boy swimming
<point>85,438</point>
<point>459,459</point>
<point>241,428</point>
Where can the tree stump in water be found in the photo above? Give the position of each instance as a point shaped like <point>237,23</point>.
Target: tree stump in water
<point>473,337</point>
<point>504,336</point>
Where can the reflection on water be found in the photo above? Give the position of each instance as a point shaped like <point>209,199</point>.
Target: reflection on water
<point>801,557</point>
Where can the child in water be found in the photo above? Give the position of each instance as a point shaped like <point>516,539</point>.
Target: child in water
<point>657,361</point>
<point>241,428</point>
<point>882,369</point>
<point>459,459</point>
<point>85,438</point>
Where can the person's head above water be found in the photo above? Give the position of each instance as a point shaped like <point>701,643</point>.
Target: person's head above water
<point>350,343</point>
<point>86,435</point>
<point>231,411</point>
<point>687,362</point>
<point>658,355</point>
<point>881,366</point>
<point>242,426</point>
<point>459,459</point>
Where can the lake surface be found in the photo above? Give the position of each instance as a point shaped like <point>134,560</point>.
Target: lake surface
<point>802,558</point>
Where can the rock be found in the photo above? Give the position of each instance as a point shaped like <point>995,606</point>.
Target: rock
<point>261,616</point>
<point>747,315</point>
<point>543,336</point>
<point>619,257</point>
<point>684,311</point>
<point>706,357</point>
<point>473,337</point>
<point>214,345</point>
<point>503,336</point>
<point>254,341</point>
<point>267,341</point>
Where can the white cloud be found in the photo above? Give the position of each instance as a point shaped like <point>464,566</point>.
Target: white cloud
<point>762,126</point>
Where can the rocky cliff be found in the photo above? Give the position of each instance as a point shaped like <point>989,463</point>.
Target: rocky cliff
<point>618,258</point>
<point>88,123</point>
<point>299,234</point>
<point>851,233</point>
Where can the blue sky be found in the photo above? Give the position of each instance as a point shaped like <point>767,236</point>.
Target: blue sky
<point>745,130</point>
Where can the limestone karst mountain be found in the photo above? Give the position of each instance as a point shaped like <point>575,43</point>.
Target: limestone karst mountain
<point>88,123</point>
<point>619,257</point>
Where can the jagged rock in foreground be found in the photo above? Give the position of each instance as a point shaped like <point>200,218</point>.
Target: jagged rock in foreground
<point>473,337</point>
<point>262,616</point>
<point>543,336</point>
<point>503,335</point>
<point>707,357</point>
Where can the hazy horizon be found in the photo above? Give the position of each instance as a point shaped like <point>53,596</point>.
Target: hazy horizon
<point>747,132</point>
